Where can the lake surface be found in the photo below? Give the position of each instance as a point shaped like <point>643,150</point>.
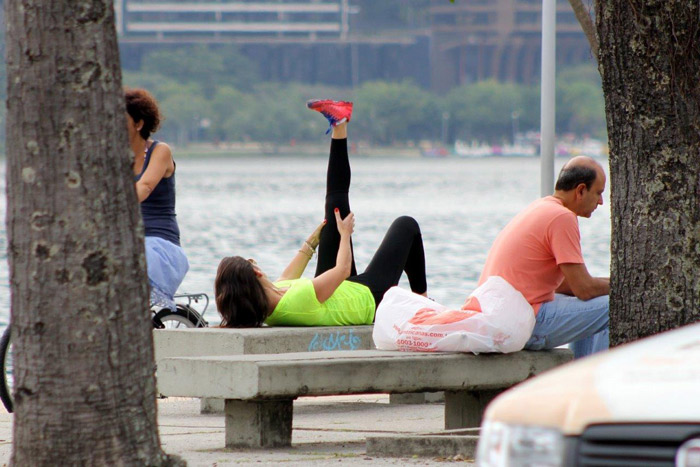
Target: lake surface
<point>264,208</point>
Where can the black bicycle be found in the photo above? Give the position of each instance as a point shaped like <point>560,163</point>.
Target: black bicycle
<point>185,315</point>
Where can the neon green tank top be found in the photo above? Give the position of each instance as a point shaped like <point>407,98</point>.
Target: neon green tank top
<point>350,304</point>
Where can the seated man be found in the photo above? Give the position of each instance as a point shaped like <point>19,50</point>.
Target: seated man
<point>539,253</point>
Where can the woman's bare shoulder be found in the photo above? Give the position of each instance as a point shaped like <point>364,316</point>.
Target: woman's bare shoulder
<point>162,150</point>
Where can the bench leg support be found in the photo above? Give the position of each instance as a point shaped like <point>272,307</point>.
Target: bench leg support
<point>210,405</point>
<point>465,409</point>
<point>259,424</point>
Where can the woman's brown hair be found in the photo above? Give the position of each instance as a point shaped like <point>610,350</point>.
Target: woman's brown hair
<point>240,297</point>
<point>141,105</point>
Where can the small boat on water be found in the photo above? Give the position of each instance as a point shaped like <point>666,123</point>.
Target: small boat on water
<point>475,149</point>
<point>529,147</point>
<point>516,150</point>
<point>586,147</point>
<point>472,149</point>
<point>435,152</point>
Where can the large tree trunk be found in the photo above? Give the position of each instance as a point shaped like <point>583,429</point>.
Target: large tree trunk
<point>84,372</point>
<point>650,64</point>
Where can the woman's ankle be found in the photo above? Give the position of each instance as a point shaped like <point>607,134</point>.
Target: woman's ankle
<point>340,131</point>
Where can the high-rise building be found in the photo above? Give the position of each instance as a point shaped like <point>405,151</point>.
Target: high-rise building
<point>223,20</point>
<point>501,39</point>
<point>326,41</point>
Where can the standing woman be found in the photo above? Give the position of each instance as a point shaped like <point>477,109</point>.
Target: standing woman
<point>154,173</point>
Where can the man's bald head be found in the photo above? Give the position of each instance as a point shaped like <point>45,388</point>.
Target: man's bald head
<point>580,169</point>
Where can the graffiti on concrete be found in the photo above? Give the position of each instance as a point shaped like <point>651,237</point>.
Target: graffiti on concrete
<point>339,340</point>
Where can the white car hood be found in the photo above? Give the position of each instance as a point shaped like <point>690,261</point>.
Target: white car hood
<point>653,380</point>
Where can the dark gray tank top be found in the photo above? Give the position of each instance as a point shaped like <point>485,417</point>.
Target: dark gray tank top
<point>158,210</point>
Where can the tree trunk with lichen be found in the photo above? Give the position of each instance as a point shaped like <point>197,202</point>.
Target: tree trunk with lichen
<point>649,60</point>
<point>83,350</point>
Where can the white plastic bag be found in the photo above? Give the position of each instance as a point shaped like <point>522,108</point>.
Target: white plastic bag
<point>407,321</point>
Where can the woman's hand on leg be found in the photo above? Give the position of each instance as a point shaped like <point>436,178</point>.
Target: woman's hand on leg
<point>326,284</point>
<point>345,226</point>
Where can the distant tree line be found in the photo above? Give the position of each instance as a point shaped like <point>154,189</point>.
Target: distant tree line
<point>214,95</point>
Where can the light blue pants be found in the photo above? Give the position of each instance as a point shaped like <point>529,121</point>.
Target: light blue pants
<point>567,320</point>
<point>167,266</point>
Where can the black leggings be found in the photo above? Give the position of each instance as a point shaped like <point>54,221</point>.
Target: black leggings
<point>402,247</point>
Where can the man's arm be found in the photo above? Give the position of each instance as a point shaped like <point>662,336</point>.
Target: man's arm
<point>564,288</point>
<point>579,282</point>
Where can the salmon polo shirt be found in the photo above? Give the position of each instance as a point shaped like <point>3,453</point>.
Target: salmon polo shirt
<point>528,251</point>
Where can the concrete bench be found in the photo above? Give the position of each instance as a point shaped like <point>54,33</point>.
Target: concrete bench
<point>201,342</point>
<point>260,389</point>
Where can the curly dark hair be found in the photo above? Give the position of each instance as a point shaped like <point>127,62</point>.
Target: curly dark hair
<point>240,297</point>
<point>141,105</point>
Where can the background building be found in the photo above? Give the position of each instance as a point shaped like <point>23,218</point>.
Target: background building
<point>478,39</point>
<point>435,43</point>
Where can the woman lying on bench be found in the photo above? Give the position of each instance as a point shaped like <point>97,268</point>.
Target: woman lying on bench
<point>337,295</point>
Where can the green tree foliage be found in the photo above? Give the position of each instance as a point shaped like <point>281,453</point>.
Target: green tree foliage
<point>184,106</point>
<point>580,105</point>
<point>187,111</point>
<point>227,107</point>
<point>152,81</point>
<point>210,67</point>
<point>392,112</point>
<point>486,110</point>
<point>274,113</point>
<point>213,94</point>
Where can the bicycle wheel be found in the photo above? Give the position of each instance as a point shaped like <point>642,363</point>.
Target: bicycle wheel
<point>178,319</point>
<point>193,315</point>
<point>6,364</point>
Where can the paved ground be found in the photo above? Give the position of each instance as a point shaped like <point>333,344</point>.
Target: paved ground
<point>327,431</point>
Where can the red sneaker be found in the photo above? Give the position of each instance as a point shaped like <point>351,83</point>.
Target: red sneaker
<point>336,112</point>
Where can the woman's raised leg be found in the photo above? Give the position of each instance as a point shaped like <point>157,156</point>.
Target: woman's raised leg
<point>337,182</point>
<point>400,251</point>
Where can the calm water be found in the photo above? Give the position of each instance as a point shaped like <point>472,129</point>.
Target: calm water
<point>264,207</point>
